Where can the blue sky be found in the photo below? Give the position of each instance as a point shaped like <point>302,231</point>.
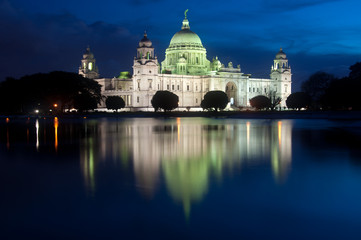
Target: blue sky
<point>41,36</point>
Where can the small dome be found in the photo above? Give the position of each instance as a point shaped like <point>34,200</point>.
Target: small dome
<point>145,42</point>
<point>88,54</point>
<point>281,54</point>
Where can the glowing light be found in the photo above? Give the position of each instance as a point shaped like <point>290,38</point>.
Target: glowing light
<point>90,66</point>
<point>37,134</point>
<point>56,124</point>
<point>279,132</point>
<point>55,105</point>
<point>36,111</point>
<point>7,120</point>
<point>84,117</point>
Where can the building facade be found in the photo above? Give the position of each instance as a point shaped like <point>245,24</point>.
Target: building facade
<point>188,73</point>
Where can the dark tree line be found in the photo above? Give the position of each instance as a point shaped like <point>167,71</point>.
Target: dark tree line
<point>326,92</point>
<point>44,91</point>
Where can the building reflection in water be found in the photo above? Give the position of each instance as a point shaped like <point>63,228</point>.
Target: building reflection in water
<point>187,152</point>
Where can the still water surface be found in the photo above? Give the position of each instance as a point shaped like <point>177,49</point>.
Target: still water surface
<point>180,178</point>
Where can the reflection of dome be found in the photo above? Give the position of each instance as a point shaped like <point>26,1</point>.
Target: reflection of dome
<point>281,54</point>
<point>145,42</point>
<point>185,37</point>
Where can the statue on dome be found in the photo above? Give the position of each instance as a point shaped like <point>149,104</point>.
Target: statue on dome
<point>185,13</point>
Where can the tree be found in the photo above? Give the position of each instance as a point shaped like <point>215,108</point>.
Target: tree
<point>43,90</point>
<point>355,71</point>
<point>165,100</point>
<point>260,102</point>
<point>114,103</point>
<point>298,100</point>
<point>274,100</point>
<point>316,86</point>
<point>343,94</point>
<point>216,100</point>
<point>84,102</point>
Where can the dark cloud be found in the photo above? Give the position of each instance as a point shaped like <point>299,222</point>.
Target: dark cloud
<point>144,2</point>
<point>42,43</point>
<point>291,5</point>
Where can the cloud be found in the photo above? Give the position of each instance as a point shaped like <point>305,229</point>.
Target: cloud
<point>144,2</point>
<point>47,42</point>
<point>291,5</point>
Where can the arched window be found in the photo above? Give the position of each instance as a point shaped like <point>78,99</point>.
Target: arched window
<point>90,66</point>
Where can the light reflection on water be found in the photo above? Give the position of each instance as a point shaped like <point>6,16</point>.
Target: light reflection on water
<point>187,153</point>
<point>188,175</point>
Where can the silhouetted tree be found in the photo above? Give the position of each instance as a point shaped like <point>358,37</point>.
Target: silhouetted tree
<point>275,101</point>
<point>114,103</point>
<point>343,94</point>
<point>355,71</point>
<point>216,100</point>
<point>260,102</point>
<point>42,90</point>
<point>84,102</point>
<point>298,100</point>
<point>316,86</point>
<point>164,100</point>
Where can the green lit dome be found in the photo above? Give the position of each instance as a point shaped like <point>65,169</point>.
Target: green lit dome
<point>186,54</point>
<point>185,38</point>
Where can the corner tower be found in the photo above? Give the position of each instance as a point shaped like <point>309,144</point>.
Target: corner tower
<point>281,76</point>
<point>88,68</point>
<point>145,72</point>
<point>186,54</point>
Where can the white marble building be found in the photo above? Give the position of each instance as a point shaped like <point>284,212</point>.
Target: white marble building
<point>188,73</point>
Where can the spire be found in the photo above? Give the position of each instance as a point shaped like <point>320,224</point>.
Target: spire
<point>185,21</point>
<point>145,34</point>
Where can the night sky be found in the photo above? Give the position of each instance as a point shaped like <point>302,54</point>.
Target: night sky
<point>42,35</point>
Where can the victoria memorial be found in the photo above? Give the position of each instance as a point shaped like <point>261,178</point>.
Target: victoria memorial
<point>188,73</point>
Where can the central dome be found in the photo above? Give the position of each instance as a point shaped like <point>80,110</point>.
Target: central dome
<point>185,38</point>
<point>185,54</point>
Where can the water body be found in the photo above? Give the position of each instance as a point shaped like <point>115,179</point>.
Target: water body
<point>179,178</point>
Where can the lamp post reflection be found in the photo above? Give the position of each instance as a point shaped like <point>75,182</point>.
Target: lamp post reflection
<point>37,134</point>
<point>7,134</point>
<point>56,125</point>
